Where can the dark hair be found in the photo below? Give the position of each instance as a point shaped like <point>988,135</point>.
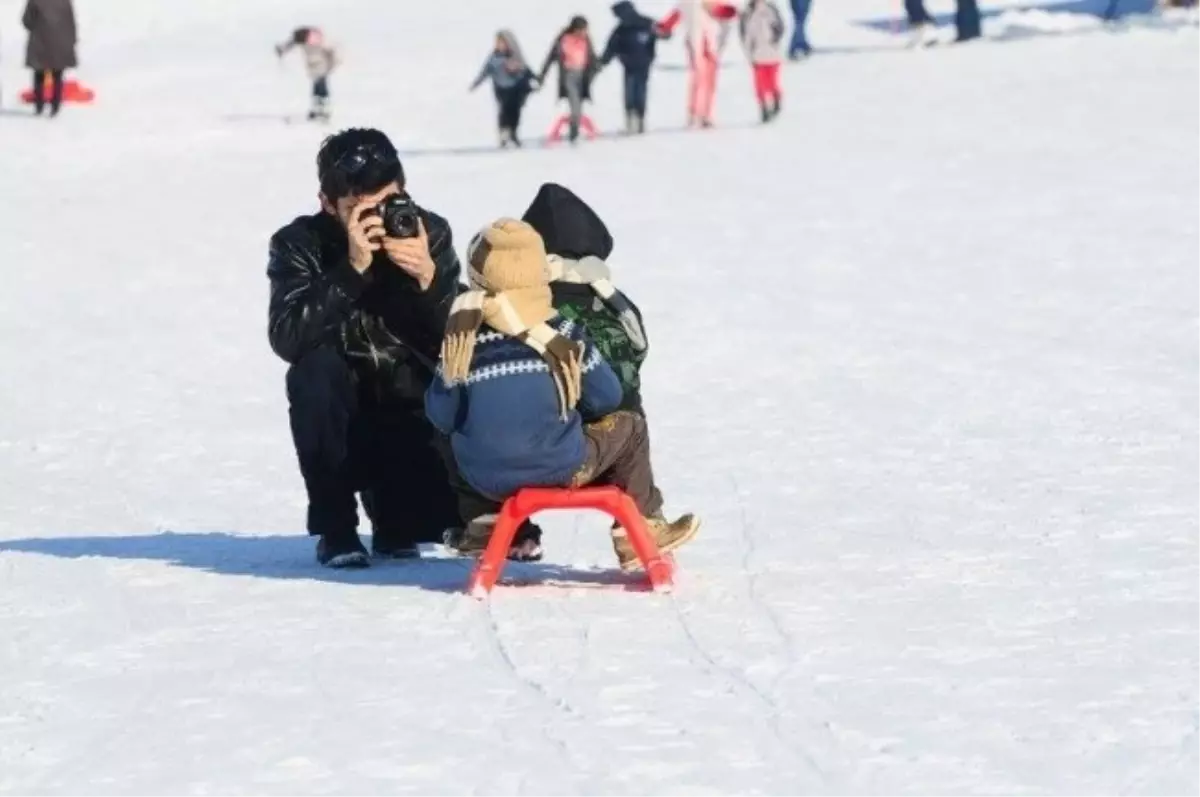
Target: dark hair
<point>355,161</point>
<point>577,23</point>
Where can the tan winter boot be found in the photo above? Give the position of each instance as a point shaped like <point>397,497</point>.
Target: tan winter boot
<point>472,540</point>
<point>667,536</point>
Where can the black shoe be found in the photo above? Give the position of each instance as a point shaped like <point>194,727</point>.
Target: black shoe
<point>765,112</point>
<point>527,545</point>
<point>473,540</point>
<point>384,549</point>
<point>342,551</point>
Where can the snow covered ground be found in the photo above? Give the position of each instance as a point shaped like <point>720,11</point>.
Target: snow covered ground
<point>924,358</point>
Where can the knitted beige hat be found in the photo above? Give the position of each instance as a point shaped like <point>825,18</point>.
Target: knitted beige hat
<point>507,255</point>
<point>510,279</point>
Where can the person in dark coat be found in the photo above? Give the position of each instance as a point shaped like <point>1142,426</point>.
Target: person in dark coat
<point>576,59</point>
<point>51,48</point>
<point>359,314</point>
<point>633,43</point>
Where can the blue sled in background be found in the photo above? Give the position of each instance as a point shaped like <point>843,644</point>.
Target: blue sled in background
<point>1105,9</point>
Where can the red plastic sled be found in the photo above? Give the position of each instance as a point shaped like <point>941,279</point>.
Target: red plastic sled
<point>556,130</point>
<point>73,91</point>
<point>609,500</point>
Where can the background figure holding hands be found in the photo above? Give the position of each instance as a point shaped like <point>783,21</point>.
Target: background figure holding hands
<point>632,42</point>
<point>577,63</point>
<point>512,80</point>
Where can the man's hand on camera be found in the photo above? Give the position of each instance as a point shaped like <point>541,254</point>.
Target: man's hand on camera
<point>364,228</point>
<point>412,256</point>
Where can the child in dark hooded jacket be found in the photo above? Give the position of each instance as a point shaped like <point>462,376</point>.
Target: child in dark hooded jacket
<point>633,42</point>
<point>577,245</point>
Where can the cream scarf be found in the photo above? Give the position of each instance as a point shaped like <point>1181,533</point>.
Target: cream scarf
<point>522,314</point>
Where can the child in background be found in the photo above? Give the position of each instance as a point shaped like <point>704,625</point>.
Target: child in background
<point>576,59</point>
<point>632,42</point>
<point>319,59</point>
<point>761,30</point>
<point>511,82</point>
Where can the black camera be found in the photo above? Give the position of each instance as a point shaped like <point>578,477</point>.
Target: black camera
<point>399,216</point>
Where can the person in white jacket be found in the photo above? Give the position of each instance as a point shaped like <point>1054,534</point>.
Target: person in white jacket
<point>761,29</point>
<point>319,60</point>
<point>705,25</point>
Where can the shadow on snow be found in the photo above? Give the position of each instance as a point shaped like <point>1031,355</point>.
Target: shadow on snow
<point>290,557</point>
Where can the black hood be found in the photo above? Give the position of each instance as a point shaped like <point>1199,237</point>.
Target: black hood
<point>567,224</point>
<point>625,11</point>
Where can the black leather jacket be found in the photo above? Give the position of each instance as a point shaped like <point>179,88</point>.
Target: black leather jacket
<point>381,322</point>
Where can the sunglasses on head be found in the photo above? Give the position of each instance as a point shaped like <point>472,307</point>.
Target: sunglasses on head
<point>353,161</point>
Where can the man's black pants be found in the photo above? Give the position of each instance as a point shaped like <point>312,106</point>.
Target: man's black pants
<point>347,443</point>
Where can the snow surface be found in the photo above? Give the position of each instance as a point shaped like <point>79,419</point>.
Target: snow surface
<point>924,358</point>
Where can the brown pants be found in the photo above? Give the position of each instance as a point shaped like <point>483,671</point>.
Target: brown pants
<point>619,454</point>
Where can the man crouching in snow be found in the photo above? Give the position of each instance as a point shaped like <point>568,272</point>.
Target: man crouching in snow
<point>360,295</point>
<point>527,399</point>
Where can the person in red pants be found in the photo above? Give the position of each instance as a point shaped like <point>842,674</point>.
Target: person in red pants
<point>761,30</point>
<point>705,26</point>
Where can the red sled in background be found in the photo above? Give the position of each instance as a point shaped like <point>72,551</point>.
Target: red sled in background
<point>73,91</point>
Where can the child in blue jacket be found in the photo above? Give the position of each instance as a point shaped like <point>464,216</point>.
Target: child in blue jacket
<point>528,401</point>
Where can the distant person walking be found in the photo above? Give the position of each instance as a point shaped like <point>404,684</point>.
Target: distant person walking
<point>320,59</point>
<point>577,62</point>
<point>799,47</point>
<point>511,83</point>
<point>761,31</point>
<point>705,25</point>
<point>632,42</point>
<point>51,48</point>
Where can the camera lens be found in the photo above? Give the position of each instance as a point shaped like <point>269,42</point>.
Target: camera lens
<point>399,216</point>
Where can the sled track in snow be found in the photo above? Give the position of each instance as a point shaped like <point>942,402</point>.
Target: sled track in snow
<point>553,707</point>
<point>741,685</point>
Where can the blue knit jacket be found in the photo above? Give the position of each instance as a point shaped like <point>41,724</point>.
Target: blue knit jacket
<point>504,422</point>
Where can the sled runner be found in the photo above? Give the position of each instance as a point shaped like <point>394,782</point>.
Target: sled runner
<point>610,500</point>
<point>556,130</point>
